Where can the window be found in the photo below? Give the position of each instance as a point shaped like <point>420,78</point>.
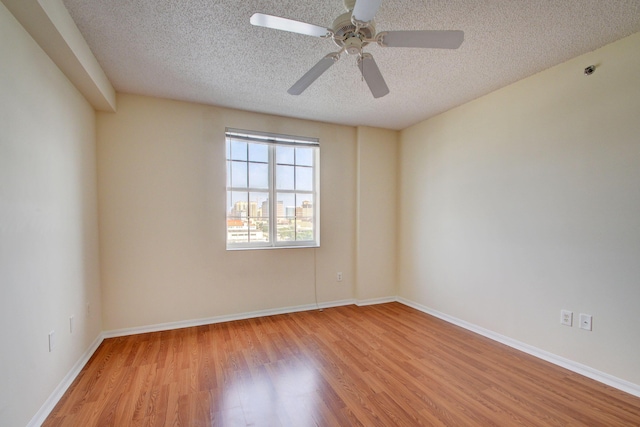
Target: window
<point>272,190</point>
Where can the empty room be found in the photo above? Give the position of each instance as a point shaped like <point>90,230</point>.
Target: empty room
<point>331,213</point>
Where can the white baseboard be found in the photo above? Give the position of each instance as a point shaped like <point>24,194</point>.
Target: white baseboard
<point>59,391</point>
<point>374,301</point>
<point>225,318</point>
<point>576,367</point>
<point>339,303</point>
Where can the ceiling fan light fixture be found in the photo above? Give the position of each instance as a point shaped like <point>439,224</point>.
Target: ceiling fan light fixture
<point>353,45</point>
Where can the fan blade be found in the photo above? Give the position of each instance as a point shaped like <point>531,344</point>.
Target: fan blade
<point>278,23</point>
<point>365,10</point>
<point>372,75</point>
<point>450,39</point>
<point>315,72</point>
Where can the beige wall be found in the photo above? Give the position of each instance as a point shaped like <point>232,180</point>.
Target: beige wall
<point>376,222</point>
<point>527,201</point>
<point>162,217</point>
<point>48,225</point>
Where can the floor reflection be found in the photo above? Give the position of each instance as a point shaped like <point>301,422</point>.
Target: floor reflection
<point>273,394</point>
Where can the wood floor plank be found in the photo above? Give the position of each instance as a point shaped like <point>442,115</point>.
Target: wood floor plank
<point>378,365</point>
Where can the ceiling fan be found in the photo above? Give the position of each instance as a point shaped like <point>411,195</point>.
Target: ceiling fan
<point>351,32</point>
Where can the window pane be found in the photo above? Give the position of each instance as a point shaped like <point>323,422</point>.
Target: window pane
<point>261,202</point>
<point>304,178</point>
<point>260,231</point>
<point>304,217</point>
<point>238,150</point>
<point>284,177</point>
<point>304,204</point>
<point>238,174</point>
<point>286,231</point>
<point>304,229</point>
<point>286,220</point>
<point>237,230</point>
<point>304,156</point>
<point>259,153</point>
<point>284,155</point>
<point>237,204</point>
<point>286,203</point>
<point>258,175</point>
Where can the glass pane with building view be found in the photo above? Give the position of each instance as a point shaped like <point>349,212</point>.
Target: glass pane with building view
<point>262,215</point>
<point>294,217</point>
<point>247,217</point>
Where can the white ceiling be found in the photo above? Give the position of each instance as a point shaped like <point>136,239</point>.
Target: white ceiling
<point>206,51</point>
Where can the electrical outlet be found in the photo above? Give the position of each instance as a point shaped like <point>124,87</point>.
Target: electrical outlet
<point>71,324</point>
<point>585,321</point>
<point>52,341</point>
<point>566,317</point>
<point>339,277</point>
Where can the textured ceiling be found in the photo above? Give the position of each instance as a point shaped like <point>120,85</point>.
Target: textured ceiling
<point>206,51</point>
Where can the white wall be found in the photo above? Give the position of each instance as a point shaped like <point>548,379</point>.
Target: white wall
<point>48,224</point>
<point>527,201</point>
<point>377,220</point>
<point>162,196</point>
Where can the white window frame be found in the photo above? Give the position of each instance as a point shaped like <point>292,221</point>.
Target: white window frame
<point>273,141</point>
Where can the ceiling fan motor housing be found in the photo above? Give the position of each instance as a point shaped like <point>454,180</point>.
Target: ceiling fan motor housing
<point>346,35</point>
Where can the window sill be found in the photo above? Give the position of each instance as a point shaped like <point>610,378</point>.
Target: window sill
<point>262,248</point>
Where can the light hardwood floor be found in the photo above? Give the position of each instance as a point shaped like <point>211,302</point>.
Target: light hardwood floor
<point>382,365</point>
